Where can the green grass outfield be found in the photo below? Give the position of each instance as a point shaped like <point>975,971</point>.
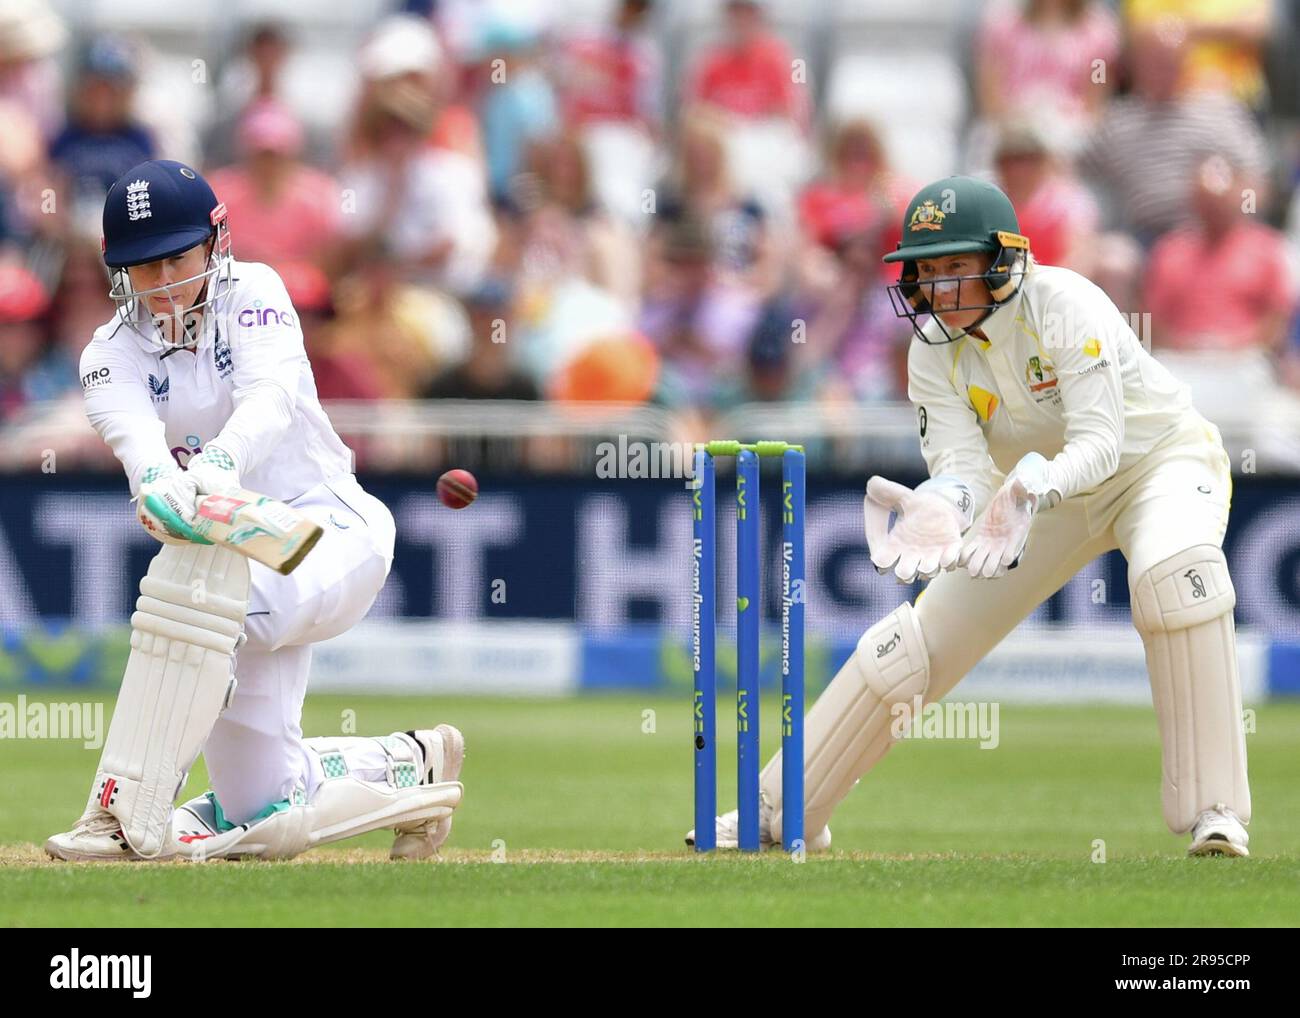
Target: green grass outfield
<point>575,811</point>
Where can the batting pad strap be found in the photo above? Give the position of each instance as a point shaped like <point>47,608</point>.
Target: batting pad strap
<point>403,761</point>
<point>189,625</point>
<point>1185,590</point>
<point>210,602</point>
<point>892,657</point>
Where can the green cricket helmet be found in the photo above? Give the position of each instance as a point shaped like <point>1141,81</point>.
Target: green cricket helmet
<point>958,215</point>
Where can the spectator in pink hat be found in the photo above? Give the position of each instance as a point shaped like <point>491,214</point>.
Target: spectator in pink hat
<point>285,211</point>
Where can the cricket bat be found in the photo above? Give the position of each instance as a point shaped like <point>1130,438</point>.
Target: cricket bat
<point>258,527</point>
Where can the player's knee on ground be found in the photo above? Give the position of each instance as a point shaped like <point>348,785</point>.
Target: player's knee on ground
<point>1182,607</point>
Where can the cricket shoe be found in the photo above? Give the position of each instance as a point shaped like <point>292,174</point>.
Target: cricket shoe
<point>1219,831</point>
<point>444,755</point>
<point>728,832</point>
<point>96,837</point>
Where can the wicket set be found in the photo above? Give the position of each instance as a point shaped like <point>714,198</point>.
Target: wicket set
<point>748,626</point>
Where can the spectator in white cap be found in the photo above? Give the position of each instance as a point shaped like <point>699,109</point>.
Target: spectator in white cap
<point>30,37</point>
<point>416,205</point>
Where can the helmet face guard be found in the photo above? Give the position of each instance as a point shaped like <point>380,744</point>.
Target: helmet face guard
<point>176,328</point>
<point>914,299</point>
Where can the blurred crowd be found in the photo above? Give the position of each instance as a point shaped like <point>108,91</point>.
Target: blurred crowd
<point>515,205</point>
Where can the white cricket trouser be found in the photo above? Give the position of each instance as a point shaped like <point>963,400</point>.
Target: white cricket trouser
<point>1174,499</point>
<point>255,754</point>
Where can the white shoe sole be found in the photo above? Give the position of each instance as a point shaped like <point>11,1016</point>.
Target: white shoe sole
<point>1219,846</point>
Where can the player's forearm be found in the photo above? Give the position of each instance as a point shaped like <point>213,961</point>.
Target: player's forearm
<point>139,443</point>
<point>260,420</point>
<point>1083,464</point>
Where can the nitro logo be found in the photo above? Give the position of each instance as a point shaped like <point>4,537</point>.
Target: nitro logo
<point>132,972</point>
<point>137,200</point>
<point>158,389</point>
<point>94,378</point>
<point>258,315</point>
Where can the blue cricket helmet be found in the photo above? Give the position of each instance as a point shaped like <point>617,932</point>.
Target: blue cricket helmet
<point>156,210</point>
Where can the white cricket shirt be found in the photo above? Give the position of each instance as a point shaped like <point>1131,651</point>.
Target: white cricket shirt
<point>1061,374</point>
<point>247,386</point>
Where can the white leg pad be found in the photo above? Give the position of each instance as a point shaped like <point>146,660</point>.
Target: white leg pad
<point>1182,607</point>
<point>849,728</point>
<point>342,807</point>
<point>179,677</point>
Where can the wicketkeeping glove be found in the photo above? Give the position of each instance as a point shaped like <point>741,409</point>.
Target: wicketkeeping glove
<point>926,538</point>
<point>999,540</point>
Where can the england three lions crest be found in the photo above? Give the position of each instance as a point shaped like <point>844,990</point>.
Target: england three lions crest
<point>137,200</point>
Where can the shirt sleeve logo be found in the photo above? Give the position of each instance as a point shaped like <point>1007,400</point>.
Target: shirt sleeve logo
<point>1092,347</point>
<point>984,402</point>
<point>158,390</point>
<point>93,379</point>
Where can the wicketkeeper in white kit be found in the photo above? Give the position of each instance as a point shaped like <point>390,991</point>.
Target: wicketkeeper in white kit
<point>201,385</point>
<point>1051,437</point>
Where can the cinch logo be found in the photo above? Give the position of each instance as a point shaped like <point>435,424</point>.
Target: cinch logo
<point>192,447</point>
<point>131,972</point>
<point>158,390</point>
<point>97,377</point>
<point>250,317</point>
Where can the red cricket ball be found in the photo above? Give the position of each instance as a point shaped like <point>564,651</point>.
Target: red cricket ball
<point>457,489</point>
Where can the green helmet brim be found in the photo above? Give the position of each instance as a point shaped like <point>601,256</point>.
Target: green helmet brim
<point>915,252</point>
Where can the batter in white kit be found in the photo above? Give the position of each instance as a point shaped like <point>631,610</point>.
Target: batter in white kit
<point>201,385</point>
<point>1051,437</point>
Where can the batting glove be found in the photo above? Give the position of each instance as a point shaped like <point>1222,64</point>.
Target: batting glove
<point>165,505</point>
<point>213,472</point>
